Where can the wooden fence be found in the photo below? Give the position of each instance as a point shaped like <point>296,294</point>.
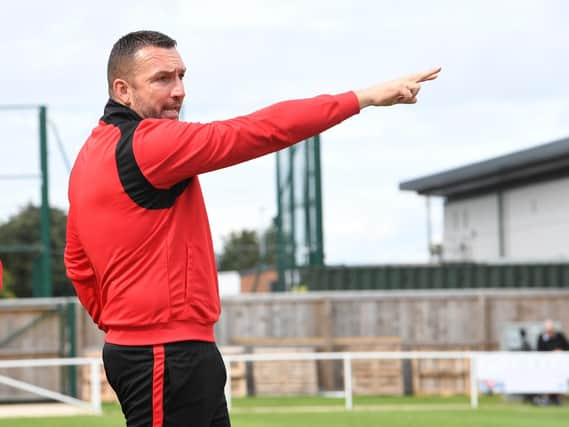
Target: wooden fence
<point>419,320</point>
<point>433,319</point>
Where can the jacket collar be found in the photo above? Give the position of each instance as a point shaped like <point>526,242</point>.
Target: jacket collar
<point>116,113</point>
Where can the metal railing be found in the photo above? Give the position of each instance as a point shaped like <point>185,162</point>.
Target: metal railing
<point>479,361</point>
<point>347,358</point>
<point>95,379</point>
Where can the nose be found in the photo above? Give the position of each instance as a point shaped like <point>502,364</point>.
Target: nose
<point>178,89</point>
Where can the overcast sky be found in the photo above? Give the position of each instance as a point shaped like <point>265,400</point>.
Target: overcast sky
<point>503,88</point>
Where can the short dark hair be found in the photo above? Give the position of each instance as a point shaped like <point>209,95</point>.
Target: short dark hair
<point>125,48</point>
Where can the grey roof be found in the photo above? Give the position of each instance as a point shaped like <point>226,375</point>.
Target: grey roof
<point>531,164</point>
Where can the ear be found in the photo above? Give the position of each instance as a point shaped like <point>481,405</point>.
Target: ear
<point>122,91</point>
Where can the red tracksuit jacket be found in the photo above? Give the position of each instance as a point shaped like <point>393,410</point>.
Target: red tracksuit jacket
<point>139,250</point>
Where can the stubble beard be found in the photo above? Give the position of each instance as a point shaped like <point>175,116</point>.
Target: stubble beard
<point>143,110</point>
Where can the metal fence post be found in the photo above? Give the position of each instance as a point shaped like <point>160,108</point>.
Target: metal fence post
<point>348,380</point>
<point>473,382</point>
<point>228,383</point>
<point>95,369</point>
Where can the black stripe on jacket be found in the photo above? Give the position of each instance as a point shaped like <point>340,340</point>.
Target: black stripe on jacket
<point>135,184</point>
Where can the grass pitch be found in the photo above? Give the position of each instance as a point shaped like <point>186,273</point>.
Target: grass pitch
<point>368,411</point>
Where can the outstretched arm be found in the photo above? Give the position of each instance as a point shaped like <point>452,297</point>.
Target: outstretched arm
<point>169,151</point>
<point>400,91</point>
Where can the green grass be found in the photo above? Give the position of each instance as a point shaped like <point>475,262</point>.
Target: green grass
<point>252,402</point>
<point>369,411</point>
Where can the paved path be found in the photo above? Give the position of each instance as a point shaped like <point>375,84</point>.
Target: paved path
<point>40,410</point>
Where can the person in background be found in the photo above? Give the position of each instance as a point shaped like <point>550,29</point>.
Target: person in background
<point>552,340</point>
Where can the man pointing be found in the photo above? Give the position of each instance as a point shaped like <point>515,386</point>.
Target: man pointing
<point>139,249</point>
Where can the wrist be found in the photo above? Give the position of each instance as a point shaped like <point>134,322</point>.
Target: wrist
<point>364,98</point>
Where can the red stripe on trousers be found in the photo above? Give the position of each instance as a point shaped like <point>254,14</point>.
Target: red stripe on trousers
<point>158,387</point>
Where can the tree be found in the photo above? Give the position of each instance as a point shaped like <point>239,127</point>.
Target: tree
<point>24,229</point>
<point>243,249</point>
<point>240,251</point>
<point>7,284</point>
<point>269,246</point>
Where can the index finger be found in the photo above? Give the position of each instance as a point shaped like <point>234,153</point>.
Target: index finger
<point>424,76</point>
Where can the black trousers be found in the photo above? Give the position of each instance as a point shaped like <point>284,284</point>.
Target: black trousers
<point>177,384</point>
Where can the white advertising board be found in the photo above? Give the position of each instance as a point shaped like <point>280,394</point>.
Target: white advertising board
<point>523,373</point>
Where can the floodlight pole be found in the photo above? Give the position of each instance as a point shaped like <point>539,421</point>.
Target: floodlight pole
<point>46,287</point>
<point>319,248</point>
